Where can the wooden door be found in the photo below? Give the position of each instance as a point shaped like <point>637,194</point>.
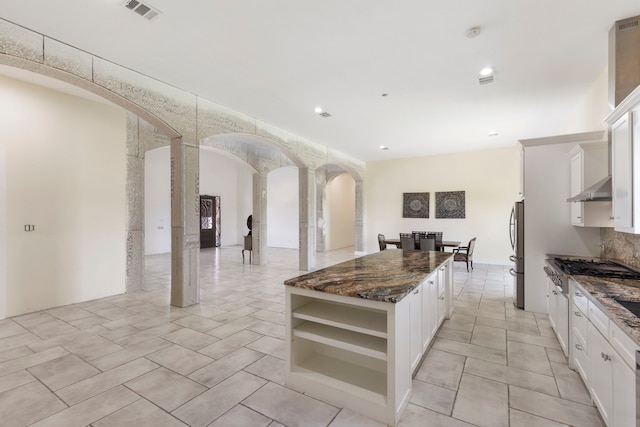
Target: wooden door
<point>209,221</point>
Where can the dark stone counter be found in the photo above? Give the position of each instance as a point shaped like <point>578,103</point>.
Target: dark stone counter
<point>386,276</point>
<point>603,292</point>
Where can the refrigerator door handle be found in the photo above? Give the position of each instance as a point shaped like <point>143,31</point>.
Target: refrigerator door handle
<point>512,227</point>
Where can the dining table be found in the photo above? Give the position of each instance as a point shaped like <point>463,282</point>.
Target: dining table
<point>439,245</point>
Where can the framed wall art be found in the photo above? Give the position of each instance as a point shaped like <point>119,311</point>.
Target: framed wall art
<point>415,205</point>
<point>450,204</point>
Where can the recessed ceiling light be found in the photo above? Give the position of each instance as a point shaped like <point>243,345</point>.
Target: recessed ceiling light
<point>493,133</point>
<point>486,71</point>
<point>472,32</point>
<point>384,147</point>
<point>318,110</point>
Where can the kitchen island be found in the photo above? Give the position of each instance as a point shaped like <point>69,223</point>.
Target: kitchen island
<point>357,331</point>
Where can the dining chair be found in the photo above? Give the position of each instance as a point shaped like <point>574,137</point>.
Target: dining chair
<point>407,241</point>
<point>417,235</point>
<point>465,253</point>
<point>437,235</point>
<point>382,242</point>
<point>427,244</point>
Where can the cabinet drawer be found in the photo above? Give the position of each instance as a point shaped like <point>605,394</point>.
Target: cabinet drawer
<point>579,299</point>
<point>624,345</point>
<point>580,323</point>
<point>599,319</point>
<point>580,354</point>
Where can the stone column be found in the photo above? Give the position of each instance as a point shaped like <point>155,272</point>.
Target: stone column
<point>185,223</point>
<point>259,232</point>
<point>307,222</point>
<point>360,234</point>
<point>134,279</point>
<point>321,198</point>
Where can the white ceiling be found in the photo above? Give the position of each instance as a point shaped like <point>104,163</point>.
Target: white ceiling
<point>276,60</point>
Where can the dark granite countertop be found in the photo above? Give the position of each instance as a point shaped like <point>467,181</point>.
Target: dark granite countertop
<point>604,292</point>
<point>386,276</point>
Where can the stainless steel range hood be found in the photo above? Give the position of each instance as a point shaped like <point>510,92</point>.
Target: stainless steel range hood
<point>624,77</point>
<point>624,59</point>
<point>598,192</point>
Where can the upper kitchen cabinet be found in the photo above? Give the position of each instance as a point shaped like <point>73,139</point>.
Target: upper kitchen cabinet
<point>625,152</point>
<point>589,165</point>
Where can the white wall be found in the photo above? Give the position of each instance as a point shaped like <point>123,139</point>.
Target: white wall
<point>282,208</point>
<point>157,201</point>
<point>548,228</point>
<point>220,175</point>
<point>340,212</point>
<point>590,113</point>
<point>230,179</point>
<point>65,172</point>
<point>489,179</point>
<point>3,234</point>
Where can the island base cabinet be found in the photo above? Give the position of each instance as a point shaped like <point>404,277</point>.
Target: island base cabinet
<point>350,352</point>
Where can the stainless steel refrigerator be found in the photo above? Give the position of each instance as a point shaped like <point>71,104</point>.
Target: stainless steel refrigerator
<point>516,234</point>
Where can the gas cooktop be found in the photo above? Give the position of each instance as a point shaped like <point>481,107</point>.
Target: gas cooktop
<point>584,267</point>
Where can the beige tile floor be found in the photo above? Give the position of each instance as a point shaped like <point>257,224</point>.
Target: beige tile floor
<point>135,360</point>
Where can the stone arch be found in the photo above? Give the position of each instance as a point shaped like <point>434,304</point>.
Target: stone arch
<point>324,175</point>
<point>264,155</point>
<point>137,114</point>
<point>184,119</point>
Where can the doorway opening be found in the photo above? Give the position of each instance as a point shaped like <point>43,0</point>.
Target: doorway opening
<point>209,221</point>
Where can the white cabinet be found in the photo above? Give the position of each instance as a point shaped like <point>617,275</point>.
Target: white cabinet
<point>604,356</point>
<point>575,166</point>
<point>601,381</point>
<point>558,312</point>
<point>579,350</point>
<point>623,399</point>
<point>625,155</point>
<point>588,164</point>
<point>521,174</point>
<point>622,162</point>
<point>415,326</point>
<point>441,305</point>
<point>429,311</point>
<point>360,354</point>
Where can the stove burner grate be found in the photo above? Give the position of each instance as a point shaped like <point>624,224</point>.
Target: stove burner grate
<point>611,269</point>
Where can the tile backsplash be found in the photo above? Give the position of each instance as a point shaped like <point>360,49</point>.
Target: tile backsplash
<point>621,246</point>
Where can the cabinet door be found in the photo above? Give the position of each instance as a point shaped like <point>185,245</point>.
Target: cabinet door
<point>578,339</point>
<point>426,323</point>
<point>576,165</point>
<point>622,162</point>
<point>442,306</point>
<point>415,326</point>
<point>553,304</point>
<point>600,384</point>
<point>624,395</point>
<point>562,320</point>
<point>433,305</point>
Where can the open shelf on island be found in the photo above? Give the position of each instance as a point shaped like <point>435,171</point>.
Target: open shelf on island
<point>358,380</point>
<point>366,345</point>
<point>365,321</point>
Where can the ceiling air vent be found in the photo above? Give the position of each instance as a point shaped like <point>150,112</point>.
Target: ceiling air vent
<point>627,25</point>
<point>142,9</point>
<point>486,80</point>
<point>325,114</point>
